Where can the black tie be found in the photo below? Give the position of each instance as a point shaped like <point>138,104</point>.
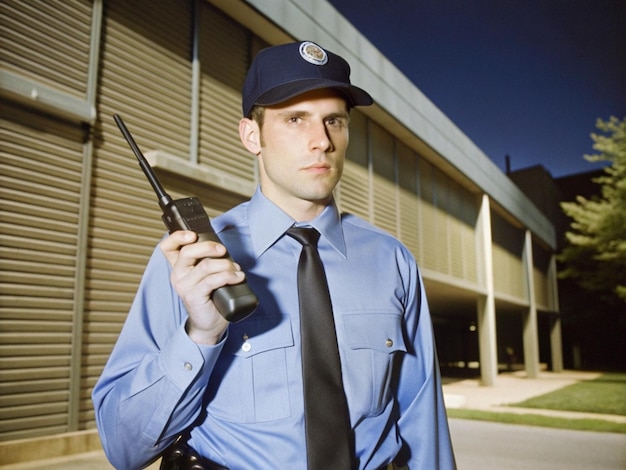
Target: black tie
<point>326,411</point>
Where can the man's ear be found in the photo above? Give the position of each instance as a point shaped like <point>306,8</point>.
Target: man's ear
<point>250,135</point>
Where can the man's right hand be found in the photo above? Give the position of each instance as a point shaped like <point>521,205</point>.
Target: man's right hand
<point>197,270</point>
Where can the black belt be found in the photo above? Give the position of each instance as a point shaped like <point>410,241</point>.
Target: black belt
<point>181,456</point>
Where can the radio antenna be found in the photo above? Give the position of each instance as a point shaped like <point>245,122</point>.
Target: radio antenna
<point>164,198</point>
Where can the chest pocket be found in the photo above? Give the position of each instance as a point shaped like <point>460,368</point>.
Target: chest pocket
<point>249,383</point>
<point>372,340</point>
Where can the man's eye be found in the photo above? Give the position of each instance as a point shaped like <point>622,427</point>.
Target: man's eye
<point>335,122</point>
<point>294,119</point>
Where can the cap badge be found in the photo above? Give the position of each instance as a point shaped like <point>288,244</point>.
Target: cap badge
<point>313,53</point>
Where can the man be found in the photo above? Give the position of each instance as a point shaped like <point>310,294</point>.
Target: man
<point>235,390</point>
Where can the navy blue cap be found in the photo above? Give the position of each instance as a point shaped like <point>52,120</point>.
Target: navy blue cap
<point>279,73</point>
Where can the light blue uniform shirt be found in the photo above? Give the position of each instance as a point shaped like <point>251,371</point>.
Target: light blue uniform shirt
<point>245,393</point>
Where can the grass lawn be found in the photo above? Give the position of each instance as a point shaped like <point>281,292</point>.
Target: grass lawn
<point>606,395</point>
<point>581,424</point>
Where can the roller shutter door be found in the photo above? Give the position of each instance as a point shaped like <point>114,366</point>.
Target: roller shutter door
<point>353,193</point>
<point>428,216</point>
<point>41,158</point>
<point>384,188</point>
<point>145,76</point>
<point>509,276</point>
<point>47,42</point>
<point>408,204</point>
<point>40,169</point>
<point>224,55</point>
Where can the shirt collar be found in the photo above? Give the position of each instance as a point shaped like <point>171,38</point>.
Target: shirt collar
<point>268,223</point>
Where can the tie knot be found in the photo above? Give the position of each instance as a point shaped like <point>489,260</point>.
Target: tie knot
<point>304,235</point>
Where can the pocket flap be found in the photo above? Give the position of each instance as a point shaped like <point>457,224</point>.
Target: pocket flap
<point>379,331</point>
<point>256,335</point>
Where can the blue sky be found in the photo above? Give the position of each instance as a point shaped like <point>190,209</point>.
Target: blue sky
<point>521,78</point>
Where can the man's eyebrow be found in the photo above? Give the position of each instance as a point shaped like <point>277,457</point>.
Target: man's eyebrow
<point>294,113</point>
<point>340,115</point>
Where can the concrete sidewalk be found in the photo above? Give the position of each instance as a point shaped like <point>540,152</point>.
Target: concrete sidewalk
<point>510,387</point>
<point>514,387</point>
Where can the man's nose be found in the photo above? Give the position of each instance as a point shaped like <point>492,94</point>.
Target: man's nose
<point>320,138</point>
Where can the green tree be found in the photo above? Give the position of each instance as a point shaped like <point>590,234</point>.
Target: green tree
<point>595,257</point>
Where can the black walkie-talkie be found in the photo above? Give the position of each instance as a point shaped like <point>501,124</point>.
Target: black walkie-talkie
<point>234,302</point>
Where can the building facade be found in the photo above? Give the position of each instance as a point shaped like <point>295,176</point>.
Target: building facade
<point>79,220</point>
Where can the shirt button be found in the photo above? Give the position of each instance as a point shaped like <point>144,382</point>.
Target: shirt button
<point>389,343</point>
<point>188,366</point>
<point>246,347</point>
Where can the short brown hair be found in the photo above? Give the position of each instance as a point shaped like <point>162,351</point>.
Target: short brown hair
<point>257,114</point>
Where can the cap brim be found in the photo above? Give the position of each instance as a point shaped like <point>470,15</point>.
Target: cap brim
<point>286,91</point>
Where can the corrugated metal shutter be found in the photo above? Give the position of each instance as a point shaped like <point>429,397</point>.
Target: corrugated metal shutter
<point>509,277</point>
<point>146,73</point>
<point>455,239</point>
<point>428,216</point>
<point>224,56</point>
<point>407,200</point>
<point>353,191</point>
<point>383,180</point>
<point>467,222</point>
<point>146,78</point>
<point>460,213</point>
<point>40,170</point>
<point>41,164</point>
<point>47,42</point>
<point>440,201</point>
<point>447,219</point>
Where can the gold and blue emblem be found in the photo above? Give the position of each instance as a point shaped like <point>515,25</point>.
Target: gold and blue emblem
<point>313,53</point>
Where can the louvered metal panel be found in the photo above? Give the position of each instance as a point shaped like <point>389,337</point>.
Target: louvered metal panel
<point>470,255</point>
<point>47,42</point>
<point>384,180</point>
<point>385,204</point>
<point>408,202</point>
<point>428,216</point>
<point>508,270</point>
<point>508,267</point>
<point>455,248</point>
<point>146,78</point>
<point>224,58</point>
<point>146,74</point>
<point>409,215</point>
<point>461,219</point>
<point>441,222</point>
<point>354,190</point>
<point>40,168</point>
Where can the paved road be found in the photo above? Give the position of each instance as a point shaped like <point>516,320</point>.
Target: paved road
<point>478,446</point>
<point>482,445</point>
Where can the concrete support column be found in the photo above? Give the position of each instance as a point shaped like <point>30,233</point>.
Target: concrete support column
<point>556,345</point>
<point>485,305</point>
<point>531,331</point>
